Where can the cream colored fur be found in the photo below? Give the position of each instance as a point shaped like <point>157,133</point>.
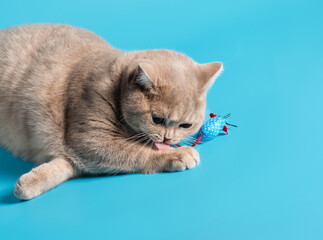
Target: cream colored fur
<point>75,106</point>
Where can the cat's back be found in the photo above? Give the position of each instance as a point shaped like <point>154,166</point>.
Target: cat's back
<point>34,55</point>
<point>21,45</point>
<point>35,61</point>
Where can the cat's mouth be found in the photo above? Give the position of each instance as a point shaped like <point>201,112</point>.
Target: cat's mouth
<point>162,146</point>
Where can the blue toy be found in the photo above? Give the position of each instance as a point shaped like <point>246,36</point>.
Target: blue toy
<point>213,127</point>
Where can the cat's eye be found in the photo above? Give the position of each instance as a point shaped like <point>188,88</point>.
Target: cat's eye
<point>185,125</point>
<point>159,120</point>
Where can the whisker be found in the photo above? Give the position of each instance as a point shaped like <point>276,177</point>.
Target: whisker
<point>150,151</point>
<point>184,143</point>
<point>141,148</point>
<point>187,143</point>
<point>189,139</point>
<point>124,151</point>
<point>136,136</point>
<point>135,142</point>
<point>144,138</point>
<point>122,119</point>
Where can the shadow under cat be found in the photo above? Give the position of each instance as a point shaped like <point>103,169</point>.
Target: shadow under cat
<point>11,168</point>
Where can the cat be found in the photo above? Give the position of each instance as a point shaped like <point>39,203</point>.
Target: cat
<point>75,106</point>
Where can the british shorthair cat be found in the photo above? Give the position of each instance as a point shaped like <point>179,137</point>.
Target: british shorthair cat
<point>74,105</point>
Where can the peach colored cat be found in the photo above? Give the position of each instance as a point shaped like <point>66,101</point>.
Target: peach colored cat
<point>75,106</point>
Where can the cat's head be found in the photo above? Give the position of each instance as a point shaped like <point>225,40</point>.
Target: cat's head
<point>164,94</point>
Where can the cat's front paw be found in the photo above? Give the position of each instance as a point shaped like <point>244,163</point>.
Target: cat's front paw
<point>27,186</point>
<point>181,159</point>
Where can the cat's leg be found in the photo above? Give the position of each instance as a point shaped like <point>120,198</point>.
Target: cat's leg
<point>43,178</point>
<point>171,160</point>
<point>120,156</point>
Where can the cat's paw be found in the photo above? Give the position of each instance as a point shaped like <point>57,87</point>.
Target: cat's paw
<point>181,159</point>
<point>27,186</point>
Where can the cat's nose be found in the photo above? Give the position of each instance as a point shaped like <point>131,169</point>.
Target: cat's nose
<point>167,141</point>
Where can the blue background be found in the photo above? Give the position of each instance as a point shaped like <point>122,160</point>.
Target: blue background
<point>263,181</point>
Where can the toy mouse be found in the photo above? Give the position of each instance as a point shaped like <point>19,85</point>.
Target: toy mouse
<point>213,127</point>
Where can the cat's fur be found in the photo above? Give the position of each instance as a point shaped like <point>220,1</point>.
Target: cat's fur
<point>76,106</point>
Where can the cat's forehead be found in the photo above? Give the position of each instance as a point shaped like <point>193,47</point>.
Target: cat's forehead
<point>178,91</point>
<point>167,64</point>
<point>175,76</point>
<point>173,69</point>
<point>176,105</point>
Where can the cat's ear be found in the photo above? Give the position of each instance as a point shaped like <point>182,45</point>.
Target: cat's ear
<point>210,71</point>
<point>142,79</point>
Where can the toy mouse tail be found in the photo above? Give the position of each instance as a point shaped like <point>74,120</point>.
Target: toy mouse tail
<point>229,124</point>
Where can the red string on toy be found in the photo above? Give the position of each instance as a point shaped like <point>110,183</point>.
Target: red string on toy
<point>212,115</point>
<point>197,141</point>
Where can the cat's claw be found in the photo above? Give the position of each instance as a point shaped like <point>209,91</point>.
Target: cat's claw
<point>25,188</point>
<point>182,158</point>
<point>43,178</point>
